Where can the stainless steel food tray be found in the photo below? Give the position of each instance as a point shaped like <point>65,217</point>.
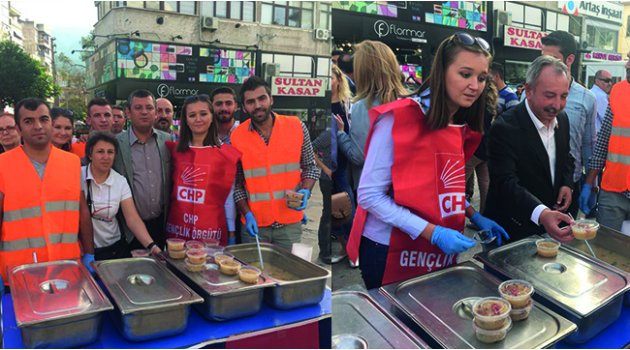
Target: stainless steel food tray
<point>150,301</point>
<point>582,289</point>
<point>306,285</point>
<point>359,320</point>
<point>433,303</point>
<point>610,246</point>
<point>57,304</point>
<point>225,297</point>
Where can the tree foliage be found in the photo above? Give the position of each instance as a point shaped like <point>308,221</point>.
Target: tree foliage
<point>71,79</point>
<point>22,76</point>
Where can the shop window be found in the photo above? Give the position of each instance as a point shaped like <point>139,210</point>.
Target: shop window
<point>136,4</point>
<point>525,16</point>
<point>297,14</point>
<point>600,37</point>
<point>238,10</point>
<point>152,5</point>
<point>557,21</point>
<point>187,7</point>
<point>324,16</point>
<point>170,6</point>
<point>298,66</point>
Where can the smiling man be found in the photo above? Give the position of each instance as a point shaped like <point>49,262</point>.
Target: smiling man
<point>531,168</point>
<point>277,157</point>
<point>43,212</point>
<point>145,162</point>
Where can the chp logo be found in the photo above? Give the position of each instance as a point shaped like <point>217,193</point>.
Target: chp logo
<point>451,184</point>
<point>192,178</point>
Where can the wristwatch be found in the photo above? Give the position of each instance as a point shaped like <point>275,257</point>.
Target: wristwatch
<point>151,245</point>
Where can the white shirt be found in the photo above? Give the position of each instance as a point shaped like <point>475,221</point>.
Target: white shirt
<point>549,142</point>
<point>106,198</point>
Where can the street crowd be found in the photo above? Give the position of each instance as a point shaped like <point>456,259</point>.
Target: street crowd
<point>401,164</point>
<point>120,189</point>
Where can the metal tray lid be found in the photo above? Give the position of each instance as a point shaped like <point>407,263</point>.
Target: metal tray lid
<point>54,290</point>
<point>573,280</point>
<point>213,282</point>
<point>137,284</point>
<point>610,246</point>
<point>433,302</point>
<point>357,315</point>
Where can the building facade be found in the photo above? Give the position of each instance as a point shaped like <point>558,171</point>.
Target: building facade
<point>624,33</point>
<point>413,30</point>
<point>179,48</point>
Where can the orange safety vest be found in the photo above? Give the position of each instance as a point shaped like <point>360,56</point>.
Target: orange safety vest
<point>39,216</point>
<point>271,170</point>
<point>78,148</point>
<point>617,172</point>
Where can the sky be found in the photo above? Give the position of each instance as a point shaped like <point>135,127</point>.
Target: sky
<point>68,20</point>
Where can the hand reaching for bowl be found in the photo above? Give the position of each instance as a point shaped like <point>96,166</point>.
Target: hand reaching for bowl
<point>551,220</point>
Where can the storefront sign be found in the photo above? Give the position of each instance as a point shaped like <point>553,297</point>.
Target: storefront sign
<point>600,9</point>
<point>603,56</point>
<point>290,86</point>
<point>383,29</point>
<point>523,38</point>
<point>166,90</point>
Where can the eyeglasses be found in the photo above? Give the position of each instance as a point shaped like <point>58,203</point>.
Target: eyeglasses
<point>469,40</point>
<point>8,129</point>
<point>605,80</point>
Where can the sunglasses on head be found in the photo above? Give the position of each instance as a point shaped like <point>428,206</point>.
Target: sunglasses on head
<point>605,80</point>
<point>469,40</point>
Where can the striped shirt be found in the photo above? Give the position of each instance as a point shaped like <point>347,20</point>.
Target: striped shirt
<point>507,100</point>
<point>600,152</point>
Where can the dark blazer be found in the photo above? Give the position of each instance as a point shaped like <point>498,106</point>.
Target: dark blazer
<point>123,164</point>
<point>520,177</point>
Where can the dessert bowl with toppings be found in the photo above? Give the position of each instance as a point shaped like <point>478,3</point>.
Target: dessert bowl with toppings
<point>177,254</point>
<point>547,247</point>
<point>491,336</point>
<point>522,313</point>
<point>517,292</point>
<point>193,267</point>
<point>229,267</point>
<point>249,274</point>
<point>584,229</point>
<point>491,313</point>
<point>175,244</point>
<point>196,256</point>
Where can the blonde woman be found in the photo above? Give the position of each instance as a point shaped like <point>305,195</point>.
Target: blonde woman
<point>377,76</point>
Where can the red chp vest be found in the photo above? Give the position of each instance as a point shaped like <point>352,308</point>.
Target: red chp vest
<point>429,179</point>
<point>202,179</point>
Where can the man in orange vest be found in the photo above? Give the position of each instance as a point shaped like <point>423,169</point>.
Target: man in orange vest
<point>277,157</point>
<point>613,151</point>
<point>41,205</point>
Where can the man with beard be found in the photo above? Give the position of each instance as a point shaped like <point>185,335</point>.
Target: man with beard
<point>223,108</point>
<point>531,168</point>
<point>612,151</point>
<point>277,159</point>
<point>118,119</point>
<point>43,212</point>
<point>164,119</point>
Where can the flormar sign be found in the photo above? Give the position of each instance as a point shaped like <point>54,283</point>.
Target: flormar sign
<point>290,86</point>
<point>523,38</point>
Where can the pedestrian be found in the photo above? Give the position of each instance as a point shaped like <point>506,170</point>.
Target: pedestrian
<point>612,153</point>
<point>63,130</point>
<point>507,97</point>
<point>204,172</point>
<point>9,134</point>
<point>224,107</point>
<point>580,107</point>
<point>323,158</point>
<point>378,82</point>
<point>412,190</point>
<point>145,161</point>
<point>531,167</point>
<point>277,160</point>
<point>519,91</point>
<point>106,191</point>
<point>99,115</point>
<point>164,121</point>
<point>601,90</point>
<point>118,119</point>
<point>43,214</point>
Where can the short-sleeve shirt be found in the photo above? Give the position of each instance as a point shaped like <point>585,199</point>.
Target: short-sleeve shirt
<point>106,198</point>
